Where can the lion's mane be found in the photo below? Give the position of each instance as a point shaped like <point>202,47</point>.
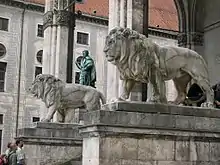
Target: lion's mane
<point>49,89</point>
<point>138,54</point>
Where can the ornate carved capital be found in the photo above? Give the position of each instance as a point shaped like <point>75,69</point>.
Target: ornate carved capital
<point>62,17</point>
<point>197,38</point>
<point>48,19</point>
<point>182,39</point>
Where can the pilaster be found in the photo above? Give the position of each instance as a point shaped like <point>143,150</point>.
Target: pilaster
<point>56,33</point>
<point>130,14</point>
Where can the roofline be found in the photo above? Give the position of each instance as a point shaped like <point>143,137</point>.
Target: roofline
<point>86,17</point>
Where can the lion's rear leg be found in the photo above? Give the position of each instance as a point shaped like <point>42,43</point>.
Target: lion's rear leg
<point>127,87</point>
<point>181,85</point>
<point>205,86</point>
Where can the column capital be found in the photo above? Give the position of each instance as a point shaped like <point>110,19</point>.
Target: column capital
<point>48,19</point>
<point>62,18</point>
<point>182,39</point>
<point>197,38</point>
<point>192,38</point>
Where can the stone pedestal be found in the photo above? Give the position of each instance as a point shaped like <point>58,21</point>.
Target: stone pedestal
<point>52,144</point>
<point>147,134</point>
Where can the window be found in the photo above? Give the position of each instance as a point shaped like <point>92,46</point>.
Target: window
<point>40,30</point>
<point>78,60</point>
<point>38,70</point>
<point>77,74</point>
<point>2,76</point>
<point>40,56</point>
<point>1,118</point>
<point>35,119</point>
<point>0,139</point>
<point>2,50</point>
<point>3,24</point>
<point>82,38</point>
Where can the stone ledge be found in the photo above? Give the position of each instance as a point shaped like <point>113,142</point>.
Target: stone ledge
<point>161,109</point>
<point>100,130</point>
<point>154,119</point>
<point>46,125</point>
<point>51,141</point>
<point>53,133</point>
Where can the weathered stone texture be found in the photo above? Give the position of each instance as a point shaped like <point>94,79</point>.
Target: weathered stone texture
<point>52,144</point>
<point>153,135</point>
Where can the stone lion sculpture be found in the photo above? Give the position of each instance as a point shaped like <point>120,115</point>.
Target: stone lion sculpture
<point>61,98</point>
<point>138,59</point>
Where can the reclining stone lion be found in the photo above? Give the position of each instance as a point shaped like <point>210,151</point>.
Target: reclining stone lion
<point>63,98</point>
<point>138,59</point>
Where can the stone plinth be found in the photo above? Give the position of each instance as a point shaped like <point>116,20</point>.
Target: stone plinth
<point>154,135</point>
<point>52,144</point>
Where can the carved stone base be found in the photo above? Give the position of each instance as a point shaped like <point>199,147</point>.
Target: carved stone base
<point>52,144</point>
<point>78,115</point>
<point>141,134</point>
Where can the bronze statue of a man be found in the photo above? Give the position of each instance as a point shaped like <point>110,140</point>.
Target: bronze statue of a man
<point>87,70</point>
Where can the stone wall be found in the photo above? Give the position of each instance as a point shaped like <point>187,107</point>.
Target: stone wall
<point>51,144</point>
<point>151,134</point>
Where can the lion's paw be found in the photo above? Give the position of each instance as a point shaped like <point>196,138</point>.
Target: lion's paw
<point>45,120</point>
<point>117,100</point>
<point>207,105</point>
<point>154,100</point>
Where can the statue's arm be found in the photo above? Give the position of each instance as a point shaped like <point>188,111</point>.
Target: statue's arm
<point>89,65</point>
<point>78,66</point>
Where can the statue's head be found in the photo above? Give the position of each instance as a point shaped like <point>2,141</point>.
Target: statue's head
<point>85,53</point>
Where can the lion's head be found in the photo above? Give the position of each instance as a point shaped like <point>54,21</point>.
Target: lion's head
<point>130,51</point>
<point>46,87</point>
<point>112,45</point>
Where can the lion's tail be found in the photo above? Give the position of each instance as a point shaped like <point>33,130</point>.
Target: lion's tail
<point>102,97</point>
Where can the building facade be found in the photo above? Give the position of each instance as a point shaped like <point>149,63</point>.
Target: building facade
<point>21,56</point>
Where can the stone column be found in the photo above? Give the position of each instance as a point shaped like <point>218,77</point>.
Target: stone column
<point>56,33</point>
<point>112,72</point>
<point>48,21</point>
<point>124,13</point>
<point>136,21</point>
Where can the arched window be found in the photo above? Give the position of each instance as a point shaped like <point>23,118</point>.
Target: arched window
<point>2,50</point>
<point>3,66</point>
<point>78,60</point>
<point>40,56</point>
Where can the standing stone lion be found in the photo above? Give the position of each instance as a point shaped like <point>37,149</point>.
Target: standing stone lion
<point>138,59</point>
<point>63,98</point>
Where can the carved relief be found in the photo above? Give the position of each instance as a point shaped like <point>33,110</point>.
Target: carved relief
<point>56,4</point>
<point>182,39</point>
<point>48,19</point>
<point>62,17</point>
<point>197,38</point>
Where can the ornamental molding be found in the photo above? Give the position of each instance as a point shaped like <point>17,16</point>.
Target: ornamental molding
<point>48,19</point>
<point>62,17</point>
<point>182,39</point>
<point>87,18</point>
<point>23,5</point>
<point>197,38</point>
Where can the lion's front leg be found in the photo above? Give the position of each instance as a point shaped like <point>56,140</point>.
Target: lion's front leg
<point>50,114</point>
<point>159,88</point>
<point>127,87</point>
